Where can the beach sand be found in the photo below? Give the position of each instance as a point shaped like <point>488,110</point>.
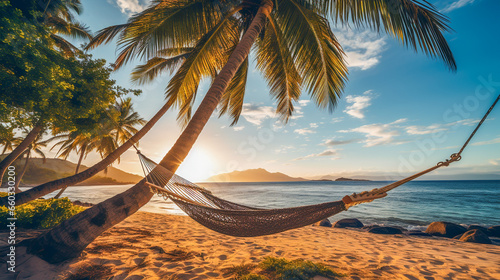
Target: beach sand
<point>158,246</point>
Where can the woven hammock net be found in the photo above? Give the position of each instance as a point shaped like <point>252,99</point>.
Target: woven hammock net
<point>228,217</point>
<point>239,220</point>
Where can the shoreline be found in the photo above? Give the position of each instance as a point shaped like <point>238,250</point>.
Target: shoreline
<point>158,246</point>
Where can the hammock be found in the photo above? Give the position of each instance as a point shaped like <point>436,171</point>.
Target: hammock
<point>239,220</point>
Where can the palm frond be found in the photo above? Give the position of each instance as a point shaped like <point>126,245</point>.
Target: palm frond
<point>106,35</point>
<point>275,60</point>
<point>417,24</point>
<point>155,66</point>
<point>205,60</point>
<point>318,56</point>
<point>232,99</point>
<point>166,24</point>
<point>66,47</point>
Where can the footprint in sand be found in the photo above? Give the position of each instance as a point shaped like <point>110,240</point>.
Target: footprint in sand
<point>436,262</point>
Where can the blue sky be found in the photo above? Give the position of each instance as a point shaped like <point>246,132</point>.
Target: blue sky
<point>401,111</point>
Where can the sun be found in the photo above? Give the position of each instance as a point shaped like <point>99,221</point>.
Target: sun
<point>197,166</point>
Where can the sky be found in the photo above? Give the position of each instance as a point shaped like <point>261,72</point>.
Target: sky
<point>401,111</point>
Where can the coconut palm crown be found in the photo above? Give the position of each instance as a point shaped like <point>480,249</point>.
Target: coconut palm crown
<point>296,50</point>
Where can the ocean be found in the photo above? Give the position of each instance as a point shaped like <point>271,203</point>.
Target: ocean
<point>413,205</point>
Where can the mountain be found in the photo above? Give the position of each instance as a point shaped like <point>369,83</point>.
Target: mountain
<point>253,175</point>
<point>39,172</point>
<point>348,179</point>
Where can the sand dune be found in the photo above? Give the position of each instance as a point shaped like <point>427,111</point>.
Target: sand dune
<point>156,246</point>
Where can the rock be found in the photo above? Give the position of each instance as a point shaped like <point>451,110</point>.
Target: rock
<point>325,223</point>
<point>84,204</point>
<point>367,228</point>
<point>418,233</point>
<point>445,229</point>
<point>476,236</point>
<point>385,230</point>
<point>354,223</point>
<point>483,229</point>
<point>494,231</point>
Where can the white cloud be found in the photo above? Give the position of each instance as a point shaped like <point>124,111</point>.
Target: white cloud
<point>333,142</point>
<point>238,128</point>
<point>326,153</point>
<point>359,103</point>
<point>256,114</point>
<point>313,125</point>
<point>489,142</point>
<point>304,131</point>
<point>304,103</point>
<point>457,4</point>
<point>336,120</point>
<point>363,48</point>
<point>434,128</point>
<point>298,113</point>
<point>379,134</point>
<point>420,130</point>
<point>130,7</point>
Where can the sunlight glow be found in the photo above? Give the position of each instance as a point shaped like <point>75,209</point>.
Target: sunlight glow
<point>197,166</point>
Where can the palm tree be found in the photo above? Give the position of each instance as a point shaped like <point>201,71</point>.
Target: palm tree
<point>36,146</point>
<point>46,188</point>
<point>295,37</point>
<point>8,140</point>
<point>73,141</point>
<point>125,120</point>
<point>105,138</point>
<point>58,16</point>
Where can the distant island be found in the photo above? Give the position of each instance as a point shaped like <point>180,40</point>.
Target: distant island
<point>262,175</point>
<point>39,172</point>
<point>254,175</point>
<point>349,179</point>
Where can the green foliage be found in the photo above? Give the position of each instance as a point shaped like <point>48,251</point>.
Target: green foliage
<point>296,269</point>
<point>40,213</point>
<point>280,269</point>
<point>238,271</point>
<point>40,85</point>
<point>253,276</point>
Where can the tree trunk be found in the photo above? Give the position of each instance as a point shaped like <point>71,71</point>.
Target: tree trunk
<point>72,236</point>
<point>82,154</point>
<point>52,186</point>
<point>20,177</point>
<point>6,162</point>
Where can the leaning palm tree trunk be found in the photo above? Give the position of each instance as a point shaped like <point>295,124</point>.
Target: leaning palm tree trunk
<point>6,162</point>
<point>82,154</point>
<point>68,239</point>
<point>52,186</point>
<point>20,177</point>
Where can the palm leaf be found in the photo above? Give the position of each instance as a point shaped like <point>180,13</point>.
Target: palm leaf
<point>66,47</point>
<point>275,60</point>
<point>155,66</point>
<point>318,56</point>
<point>416,24</point>
<point>166,24</point>
<point>232,99</point>
<point>209,54</point>
<point>106,35</point>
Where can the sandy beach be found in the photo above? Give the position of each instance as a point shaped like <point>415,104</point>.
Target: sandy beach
<point>158,246</point>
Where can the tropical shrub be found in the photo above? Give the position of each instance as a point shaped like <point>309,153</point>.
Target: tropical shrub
<point>40,213</point>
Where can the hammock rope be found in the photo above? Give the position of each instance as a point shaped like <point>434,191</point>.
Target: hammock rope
<point>240,220</point>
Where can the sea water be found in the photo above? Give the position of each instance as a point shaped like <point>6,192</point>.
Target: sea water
<point>413,205</point>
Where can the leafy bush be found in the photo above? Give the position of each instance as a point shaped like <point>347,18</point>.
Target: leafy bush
<point>253,276</point>
<point>40,213</point>
<point>280,269</point>
<point>296,269</point>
